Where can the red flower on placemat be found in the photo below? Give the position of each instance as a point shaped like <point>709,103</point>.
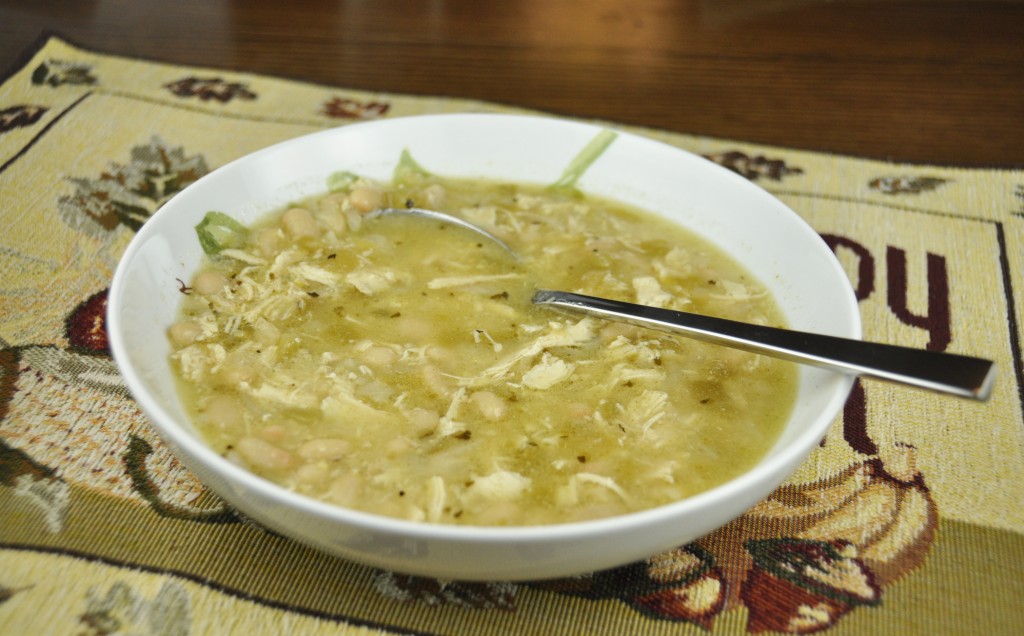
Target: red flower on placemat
<point>753,168</point>
<point>19,116</point>
<point>213,88</point>
<point>346,108</point>
<point>86,325</point>
<point>799,586</point>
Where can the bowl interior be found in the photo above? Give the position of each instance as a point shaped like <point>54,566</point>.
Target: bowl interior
<point>768,238</point>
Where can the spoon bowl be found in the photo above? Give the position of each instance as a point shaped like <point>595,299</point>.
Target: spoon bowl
<point>424,213</point>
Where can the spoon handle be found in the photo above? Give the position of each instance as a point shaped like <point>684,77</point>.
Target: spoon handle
<point>959,375</point>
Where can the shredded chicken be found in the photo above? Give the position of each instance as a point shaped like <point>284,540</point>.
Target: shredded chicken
<point>558,335</point>
<point>548,372</point>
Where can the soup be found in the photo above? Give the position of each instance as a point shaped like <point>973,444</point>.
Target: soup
<point>396,365</point>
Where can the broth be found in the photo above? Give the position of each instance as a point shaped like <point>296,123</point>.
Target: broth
<point>396,365</point>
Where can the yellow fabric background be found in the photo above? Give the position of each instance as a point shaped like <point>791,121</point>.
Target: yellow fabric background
<point>101,542</point>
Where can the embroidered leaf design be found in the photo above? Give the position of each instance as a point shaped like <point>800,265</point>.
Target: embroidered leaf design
<point>213,88</point>
<point>169,613</point>
<point>123,610</point>
<point>50,494</point>
<point>17,467</point>
<point>128,194</point>
<point>95,372</point>
<point>135,458</point>
<point>755,167</point>
<point>905,184</point>
<point>20,116</point>
<point>7,593</point>
<point>430,591</point>
<point>57,72</point>
<point>346,108</point>
<point>28,478</point>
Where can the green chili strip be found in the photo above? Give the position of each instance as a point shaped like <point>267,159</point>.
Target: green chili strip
<point>218,231</point>
<point>584,159</point>
<point>341,180</point>
<point>407,167</point>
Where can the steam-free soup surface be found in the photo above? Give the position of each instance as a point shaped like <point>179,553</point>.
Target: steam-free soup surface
<point>396,365</point>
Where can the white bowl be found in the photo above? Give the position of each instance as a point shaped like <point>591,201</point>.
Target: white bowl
<point>762,233</point>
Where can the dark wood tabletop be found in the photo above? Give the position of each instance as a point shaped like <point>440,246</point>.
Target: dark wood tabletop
<point>926,81</point>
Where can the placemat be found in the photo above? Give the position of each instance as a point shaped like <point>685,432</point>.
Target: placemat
<point>907,520</point>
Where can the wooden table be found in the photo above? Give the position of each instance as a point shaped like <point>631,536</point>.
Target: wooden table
<point>931,82</point>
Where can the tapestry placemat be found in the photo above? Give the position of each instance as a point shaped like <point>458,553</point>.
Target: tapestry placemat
<point>908,519</point>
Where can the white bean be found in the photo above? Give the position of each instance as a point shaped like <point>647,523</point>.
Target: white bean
<point>353,220</point>
<point>224,410</point>
<point>330,211</point>
<point>234,373</point>
<point>397,447</point>
<point>414,328</point>
<point>314,474</point>
<point>263,454</point>
<point>577,410</point>
<point>209,282</point>
<point>379,357</point>
<point>422,421</point>
<point>366,198</point>
<point>269,240</point>
<point>299,222</point>
<point>440,355</point>
<point>273,433</point>
<point>184,333</point>
<point>435,381</point>
<point>346,489</point>
<point>434,196</point>
<point>327,448</point>
<point>264,332</point>
<point>331,203</point>
<point>333,220</point>
<point>490,405</point>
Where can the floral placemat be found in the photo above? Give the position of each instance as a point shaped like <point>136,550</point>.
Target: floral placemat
<point>907,520</point>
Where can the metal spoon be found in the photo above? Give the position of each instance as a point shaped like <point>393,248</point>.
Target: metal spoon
<point>955,374</point>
